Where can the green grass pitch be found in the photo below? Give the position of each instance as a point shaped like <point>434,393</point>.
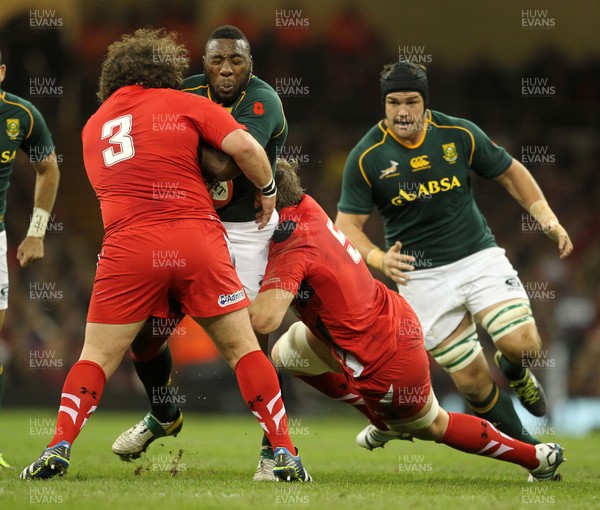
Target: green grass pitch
<point>210,465</point>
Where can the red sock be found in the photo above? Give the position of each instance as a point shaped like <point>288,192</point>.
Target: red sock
<point>336,386</point>
<point>260,389</point>
<point>475,435</point>
<point>80,396</point>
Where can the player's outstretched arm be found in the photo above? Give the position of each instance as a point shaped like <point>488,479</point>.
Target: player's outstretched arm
<point>521,185</point>
<point>46,186</point>
<point>252,159</point>
<point>392,263</point>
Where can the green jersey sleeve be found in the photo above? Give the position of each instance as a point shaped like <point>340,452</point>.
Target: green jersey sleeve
<point>261,112</point>
<point>357,193</point>
<point>38,143</point>
<point>489,160</point>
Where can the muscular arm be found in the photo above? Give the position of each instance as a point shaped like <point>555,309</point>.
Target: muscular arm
<point>352,225</point>
<point>392,263</point>
<point>268,309</point>
<point>252,160</point>
<point>521,185</point>
<point>46,187</point>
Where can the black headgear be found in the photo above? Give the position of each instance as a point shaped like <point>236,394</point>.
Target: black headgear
<point>402,77</point>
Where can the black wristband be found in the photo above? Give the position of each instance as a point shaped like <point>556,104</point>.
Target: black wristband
<point>270,189</point>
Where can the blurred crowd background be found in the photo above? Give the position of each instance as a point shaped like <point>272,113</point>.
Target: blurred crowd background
<point>324,62</point>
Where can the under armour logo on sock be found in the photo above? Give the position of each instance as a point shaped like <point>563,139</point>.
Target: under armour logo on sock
<point>484,433</point>
<point>84,391</point>
<point>258,399</point>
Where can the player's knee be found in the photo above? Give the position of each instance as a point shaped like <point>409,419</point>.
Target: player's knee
<point>151,340</point>
<point>512,322</point>
<point>423,426</point>
<point>475,389</point>
<point>523,344</point>
<point>460,352</point>
<point>436,430</point>
<point>474,381</point>
<point>293,353</point>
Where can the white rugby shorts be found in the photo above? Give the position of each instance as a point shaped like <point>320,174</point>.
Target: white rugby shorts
<point>442,296</point>
<point>250,251</point>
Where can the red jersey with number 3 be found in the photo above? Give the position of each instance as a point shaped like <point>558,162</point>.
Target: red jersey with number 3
<point>335,294</point>
<point>140,151</point>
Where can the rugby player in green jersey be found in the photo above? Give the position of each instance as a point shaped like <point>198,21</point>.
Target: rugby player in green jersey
<point>23,127</point>
<point>415,167</point>
<point>227,80</point>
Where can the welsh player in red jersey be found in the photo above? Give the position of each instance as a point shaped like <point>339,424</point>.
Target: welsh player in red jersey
<point>163,238</point>
<point>352,321</point>
<point>227,80</point>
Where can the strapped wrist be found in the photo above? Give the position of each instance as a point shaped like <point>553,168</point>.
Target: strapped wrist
<point>270,189</point>
<point>39,222</point>
<point>375,258</point>
<point>543,214</point>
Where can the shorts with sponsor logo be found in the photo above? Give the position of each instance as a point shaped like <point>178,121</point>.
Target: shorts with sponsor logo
<point>141,269</point>
<point>3,272</point>
<point>399,388</point>
<point>442,296</point>
<point>250,248</point>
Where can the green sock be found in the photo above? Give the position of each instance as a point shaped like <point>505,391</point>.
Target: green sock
<point>498,409</point>
<point>512,371</point>
<point>155,376</point>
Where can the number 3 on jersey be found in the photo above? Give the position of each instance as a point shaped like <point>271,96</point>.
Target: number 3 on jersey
<point>121,143</point>
<point>352,251</point>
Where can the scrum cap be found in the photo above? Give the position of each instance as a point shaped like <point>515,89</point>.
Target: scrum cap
<point>403,77</point>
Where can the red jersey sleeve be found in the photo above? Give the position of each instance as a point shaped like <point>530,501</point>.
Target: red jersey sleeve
<point>212,120</point>
<point>290,257</point>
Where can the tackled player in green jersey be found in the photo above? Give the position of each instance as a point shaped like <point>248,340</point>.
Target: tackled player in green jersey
<point>23,128</point>
<point>257,107</point>
<point>227,80</point>
<point>415,168</point>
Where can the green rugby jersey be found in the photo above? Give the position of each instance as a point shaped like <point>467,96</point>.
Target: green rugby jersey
<point>423,191</point>
<point>21,127</point>
<point>260,110</point>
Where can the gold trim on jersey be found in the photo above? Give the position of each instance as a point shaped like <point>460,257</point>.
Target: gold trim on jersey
<point>196,88</point>
<point>284,119</point>
<point>420,140</point>
<point>3,98</point>
<point>360,159</point>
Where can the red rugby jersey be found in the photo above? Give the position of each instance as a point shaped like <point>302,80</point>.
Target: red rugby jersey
<point>140,151</point>
<point>335,294</point>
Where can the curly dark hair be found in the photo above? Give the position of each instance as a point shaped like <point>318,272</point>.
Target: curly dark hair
<point>289,187</point>
<point>150,57</point>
